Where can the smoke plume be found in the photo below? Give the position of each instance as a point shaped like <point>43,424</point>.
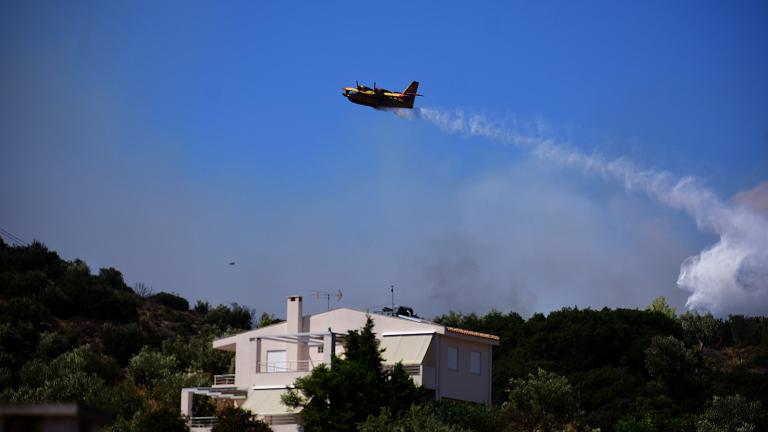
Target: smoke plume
<point>731,276</point>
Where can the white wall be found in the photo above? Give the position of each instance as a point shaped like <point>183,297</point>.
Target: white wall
<point>460,384</point>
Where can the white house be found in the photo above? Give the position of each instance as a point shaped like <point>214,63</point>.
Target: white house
<point>449,362</point>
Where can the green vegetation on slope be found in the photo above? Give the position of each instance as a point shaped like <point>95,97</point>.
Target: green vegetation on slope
<point>67,334</point>
<point>628,369</point>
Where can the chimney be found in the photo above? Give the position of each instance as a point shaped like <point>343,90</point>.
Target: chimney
<point>294,314</point>
<point>297,353</point>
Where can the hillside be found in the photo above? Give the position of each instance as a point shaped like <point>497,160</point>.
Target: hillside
<point>646,370</point>
<point>68,334</point>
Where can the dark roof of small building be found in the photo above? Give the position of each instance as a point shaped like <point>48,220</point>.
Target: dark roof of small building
<point>54,409</point>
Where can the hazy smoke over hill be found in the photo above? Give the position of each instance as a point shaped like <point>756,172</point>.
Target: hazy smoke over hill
<point>729,277</point>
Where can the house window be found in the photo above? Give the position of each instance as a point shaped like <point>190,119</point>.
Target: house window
<point>319,349</point>
<point>453,358</point>
<point>474,363</point>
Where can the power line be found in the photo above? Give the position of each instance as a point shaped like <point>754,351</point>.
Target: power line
<point>15,240</point>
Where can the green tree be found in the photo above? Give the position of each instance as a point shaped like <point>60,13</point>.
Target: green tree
<point>467,415</point>
<point>704,330</point>
<point>418,418</point>
<point>646,423</point>
<point>165,391</point>
<point>543,401</point>
<point>196,353</point>
<point>81,360</point>
<point>399,390</point>
<point>338,397</point>
<point>173,301</point>
<point>234,419</point>
<point>235,317</point>
<point>731,414</point>
<point>17,343</point>
<point>202,307</point>
<point>660,305</point>
<point>605,394</point>
<point>267,319</point>
<point>81,375</point>
<point>52,345</point>
<point>667,359</point>
<point>161,420</point>
<point>122,341</point>
<point>113,279</point>
<point>748,330</point>
<point>149,366</point>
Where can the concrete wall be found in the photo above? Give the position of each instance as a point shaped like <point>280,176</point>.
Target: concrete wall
<point>460,383</point>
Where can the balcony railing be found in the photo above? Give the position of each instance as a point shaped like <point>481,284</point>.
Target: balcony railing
<point>202,422</point>
<point>410,369</point>
<point>283,419</point>
<point>285,366</point>
<point>222,380</point>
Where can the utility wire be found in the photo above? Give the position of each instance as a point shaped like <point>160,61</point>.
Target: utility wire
<point>14,236</point>
<point>15,240</point>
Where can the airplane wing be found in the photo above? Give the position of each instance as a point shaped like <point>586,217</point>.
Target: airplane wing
<point>401,94</point>
<point>355,90</point>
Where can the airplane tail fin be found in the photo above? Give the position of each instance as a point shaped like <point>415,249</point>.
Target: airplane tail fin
<point>411,89</point>
<point>410,92</point>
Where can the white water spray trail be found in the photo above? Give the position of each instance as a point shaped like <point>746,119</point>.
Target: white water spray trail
<point>729,277</point>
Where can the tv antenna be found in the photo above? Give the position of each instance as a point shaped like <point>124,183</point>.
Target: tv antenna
<point>392,291</point>
<point>327,296</point>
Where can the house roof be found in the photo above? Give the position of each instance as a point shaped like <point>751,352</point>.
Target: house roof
<point>323,320</point>
<point>472,333</point>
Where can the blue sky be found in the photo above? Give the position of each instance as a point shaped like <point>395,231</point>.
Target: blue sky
<point>168,139</point>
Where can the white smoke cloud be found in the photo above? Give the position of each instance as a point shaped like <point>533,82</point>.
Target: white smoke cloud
<point>755,198</point>
<point>729,277</point>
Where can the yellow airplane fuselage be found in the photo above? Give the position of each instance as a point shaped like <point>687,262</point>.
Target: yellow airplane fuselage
<point>379,99</point>
<point>382,98</point>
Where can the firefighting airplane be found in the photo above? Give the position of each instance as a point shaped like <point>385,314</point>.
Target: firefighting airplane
<point>382,98</point>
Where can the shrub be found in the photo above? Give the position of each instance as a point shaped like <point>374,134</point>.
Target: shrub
<point>161,420</point>
<point>123,341</point>
<point>668,360</point>
<point>149,366</point>
<point>234,419</point>
<point>233,317</point>
<point>544,401</point>
<point>172,301</point>
<point>417,419</point>
<point>731,413</point>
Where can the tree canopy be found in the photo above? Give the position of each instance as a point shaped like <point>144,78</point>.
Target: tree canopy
<point>338,396</point>
<point>67,334</point>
